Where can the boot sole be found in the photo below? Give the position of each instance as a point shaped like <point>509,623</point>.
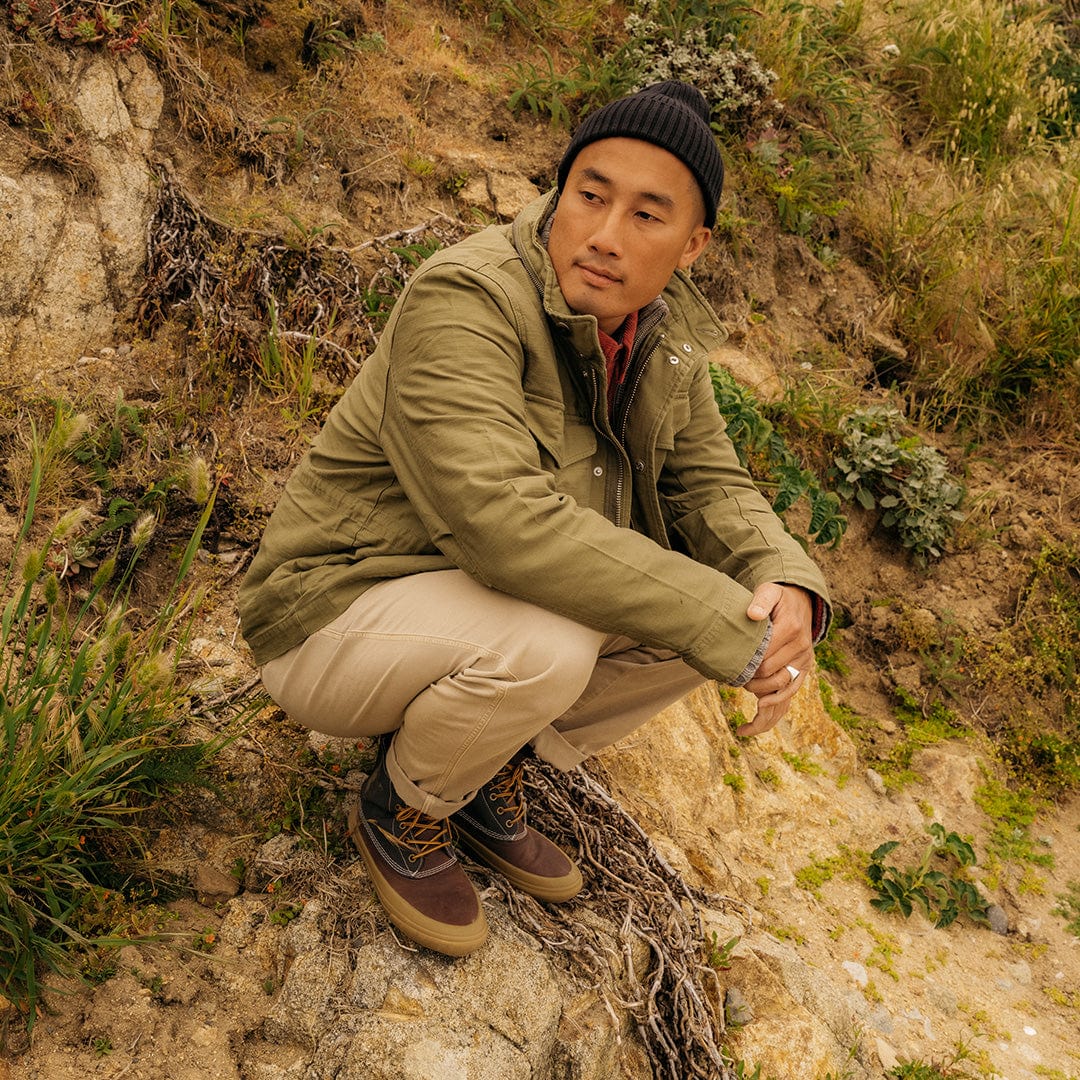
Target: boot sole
<point>553,890</point>
<point>445,938</point>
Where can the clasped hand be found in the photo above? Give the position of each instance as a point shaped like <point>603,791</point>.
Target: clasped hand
<point>791,610</point>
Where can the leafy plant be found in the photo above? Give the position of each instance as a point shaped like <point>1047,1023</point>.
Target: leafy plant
<point>804,192</point>
<point>942,897</point>
<point>589,84</point>
<point>907,479</point>
<point>758,443</point>
<point>90,729</point>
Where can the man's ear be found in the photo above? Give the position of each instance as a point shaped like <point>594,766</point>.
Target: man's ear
<point>695,245</point>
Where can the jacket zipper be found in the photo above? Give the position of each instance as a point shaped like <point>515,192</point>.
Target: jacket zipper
<point>624,422</point>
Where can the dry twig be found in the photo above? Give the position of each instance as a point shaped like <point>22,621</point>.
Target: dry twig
<point>231,279</point>
<point>629,883</point>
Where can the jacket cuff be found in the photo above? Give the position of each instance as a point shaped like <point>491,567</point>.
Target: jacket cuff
<point>822,616</point>
<point>749,671</point>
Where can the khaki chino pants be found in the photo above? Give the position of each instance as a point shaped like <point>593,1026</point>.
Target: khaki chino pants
<point>466,676</point>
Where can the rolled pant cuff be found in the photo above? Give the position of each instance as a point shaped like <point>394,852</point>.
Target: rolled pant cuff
<point>550,746</point>
<point>416,797</point>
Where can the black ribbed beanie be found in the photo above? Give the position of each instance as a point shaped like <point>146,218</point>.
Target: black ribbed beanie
<point>672,115</point>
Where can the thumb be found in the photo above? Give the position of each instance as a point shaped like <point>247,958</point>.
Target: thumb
<point>765,598</point>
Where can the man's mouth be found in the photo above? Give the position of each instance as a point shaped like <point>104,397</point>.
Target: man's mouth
<point>597,275</point>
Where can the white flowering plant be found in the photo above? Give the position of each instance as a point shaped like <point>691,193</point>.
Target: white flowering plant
<point>672,42</point>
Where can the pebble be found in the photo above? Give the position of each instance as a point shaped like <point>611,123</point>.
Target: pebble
<point>1021,972</point>
<point>881,1021</point>
<point>943,999</point>
<point>999,921</point>
<point>886,1055</point>
<point>212,885</point>
<point>737,1011</point>
<point>914,1014</point>
<point>857,972</point>
<point>875,782</point>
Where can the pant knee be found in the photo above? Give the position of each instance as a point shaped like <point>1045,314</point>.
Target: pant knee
<point>555,666</point>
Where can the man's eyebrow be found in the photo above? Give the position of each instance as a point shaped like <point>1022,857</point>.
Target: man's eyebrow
<point>654,197</point>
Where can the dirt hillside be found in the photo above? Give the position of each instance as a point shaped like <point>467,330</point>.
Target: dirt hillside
<point>337,168</point>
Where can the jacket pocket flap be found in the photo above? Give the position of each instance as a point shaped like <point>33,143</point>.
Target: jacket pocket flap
<point>674,420</point>
<point>565,437</point>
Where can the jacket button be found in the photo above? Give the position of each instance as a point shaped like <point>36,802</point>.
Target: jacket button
<point>672,359</point>
<point>598,471</point>
<point>639,465</point>
<point>687,347</point>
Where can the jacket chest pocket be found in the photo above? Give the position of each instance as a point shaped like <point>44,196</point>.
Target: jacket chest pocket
<point>567,446</point>
<point>671,423</point>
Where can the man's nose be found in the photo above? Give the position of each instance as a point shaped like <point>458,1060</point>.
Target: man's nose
<point>606,237</point>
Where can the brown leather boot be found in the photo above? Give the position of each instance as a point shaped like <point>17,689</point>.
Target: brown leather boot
<point>415,870</point>
<point>492,826</point>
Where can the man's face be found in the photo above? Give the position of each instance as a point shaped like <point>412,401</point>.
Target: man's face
<point>629,214</point>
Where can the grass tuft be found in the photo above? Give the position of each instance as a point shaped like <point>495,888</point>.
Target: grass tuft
<point>90,729</point>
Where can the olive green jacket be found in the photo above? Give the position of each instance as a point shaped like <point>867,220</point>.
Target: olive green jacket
<point>477,436</point>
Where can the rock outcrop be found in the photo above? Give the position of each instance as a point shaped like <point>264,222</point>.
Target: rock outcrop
<point>73,241</point>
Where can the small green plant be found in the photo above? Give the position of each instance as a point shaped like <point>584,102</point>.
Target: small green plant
<point>284,914</point>
<point>718,953</point>
<point>101,1045</point>
<point>289,372</point>
<point>418,165</point>
<point>542,93</point>
<point>802,764</point>
<point>909,481</point>
<point>950,1068</point>
<point>205,941</point>
<point>296,130</point>
<point>942,897</point>
<point>803,190</point>
<point>735,782</point>
<point>742,1071</point>
<point>769,777</point>
<point>830,657</point>
<point>765,451</point>
<point>1068,907</point>
<point>817,873</point>
<point>325,40</point>
<point>1012,813</point>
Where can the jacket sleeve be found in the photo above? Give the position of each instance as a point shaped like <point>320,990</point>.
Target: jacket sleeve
<point>720,517</point>
<point>455,430</point>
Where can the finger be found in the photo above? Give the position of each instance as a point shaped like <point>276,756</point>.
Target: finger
<point>767,717</point>
<point>779,681</point>
<point>765,598</point>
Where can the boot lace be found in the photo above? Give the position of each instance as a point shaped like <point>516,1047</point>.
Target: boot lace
<point>417,834</point>
<point>505,791</point>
